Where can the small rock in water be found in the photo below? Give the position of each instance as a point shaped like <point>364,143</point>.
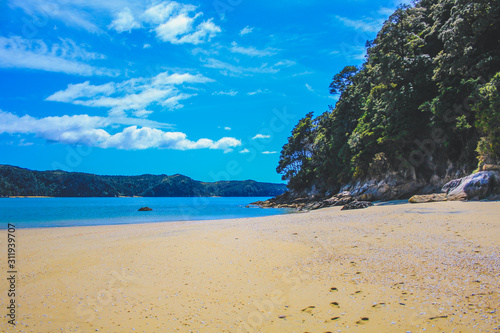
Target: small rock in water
<point>145,209</point>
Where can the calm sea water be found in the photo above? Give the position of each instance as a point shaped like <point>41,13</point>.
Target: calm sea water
<point>66,212</point>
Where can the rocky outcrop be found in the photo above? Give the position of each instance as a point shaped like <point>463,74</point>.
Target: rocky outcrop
<point>357,205</point>
<point>476,186</point>
<point>484,184</point>
<point>436,197</point>
<point>392,186</point>
<point>292,200</point>
<point>145,209</point>
<point>480,185</point>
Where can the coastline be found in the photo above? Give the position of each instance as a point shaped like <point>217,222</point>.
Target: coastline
<point>27,196</point>
<point>393,267</point>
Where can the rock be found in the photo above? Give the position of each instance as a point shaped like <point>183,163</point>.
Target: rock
<point>480,184</point>
<point>490,167</point>
<point>365,197</point>
<point>145,209</point>
<point>436,197</point>
<point>494,197</point>
<point>357,205</point>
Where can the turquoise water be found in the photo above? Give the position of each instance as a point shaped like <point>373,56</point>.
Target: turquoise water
<point>69,212</point>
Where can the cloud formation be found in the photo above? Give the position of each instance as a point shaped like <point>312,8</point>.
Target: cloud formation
<point>89,131</point>
<point>365,24</point>
<point>64,57</point>
<point>251,51</point>
<point>173,22</point>
<point>234,70</point>
<point>246,30</point>
<point>261,136</point>
<point>125,21</point>
<point>131,95</point>
<point>229,93</point>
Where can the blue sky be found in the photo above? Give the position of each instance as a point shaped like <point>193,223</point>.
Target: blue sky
<point>208,89</point>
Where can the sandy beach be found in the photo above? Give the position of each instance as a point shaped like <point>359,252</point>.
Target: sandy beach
<point>394,267</point>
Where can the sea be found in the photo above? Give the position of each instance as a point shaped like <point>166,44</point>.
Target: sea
<point>72,212</point>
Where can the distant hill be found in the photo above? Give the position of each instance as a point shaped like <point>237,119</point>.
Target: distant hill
<point>15,181</point>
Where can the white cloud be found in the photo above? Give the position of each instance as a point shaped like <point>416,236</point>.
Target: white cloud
<point>246,30</point>
<point>230,93</point>
<point>162,11</point>
<point>203,33</point>
<point>388,11</point>
<point>173,22</point>
<point>229,69</point>
<point>142,113</point>
<point>309,87</point>
<point>85,89</point>
<point>71,13</point>
<point>261,136</point>
<point>303,73</point>
<point>64,57</point>
<point>251,51</point>
<point>350,52</point>
<point>227,128</point>
<point>134,94</point>
<point>244,151</point>
<point>258,91</point>
<point>269,152</point>
<point>89,131</point>
<point>146,46</point>
<point>365,24</point>
<point>173,79</point>
<point>285,63</point>
<point>124,21</point>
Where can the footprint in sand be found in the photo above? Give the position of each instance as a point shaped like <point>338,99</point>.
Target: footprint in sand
<point>308,309</point>
<point>362,321</point>
<point>335,304</point>
<point>378,305</point>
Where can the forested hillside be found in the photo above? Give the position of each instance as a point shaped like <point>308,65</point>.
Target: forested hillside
<point>16,181</point>
<point>424,104</point>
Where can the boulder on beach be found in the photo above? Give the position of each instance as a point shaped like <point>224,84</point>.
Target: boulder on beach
<point>478,185</point>
<point>145,209</point>
<point>357,205</point>
<point>435,197</point>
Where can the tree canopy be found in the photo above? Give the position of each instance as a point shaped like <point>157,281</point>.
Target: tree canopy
<point>425,100</point>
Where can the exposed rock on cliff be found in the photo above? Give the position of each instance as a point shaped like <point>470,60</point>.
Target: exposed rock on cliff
<point>484,184</point>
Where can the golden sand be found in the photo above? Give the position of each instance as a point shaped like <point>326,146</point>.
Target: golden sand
<point>430,267</point>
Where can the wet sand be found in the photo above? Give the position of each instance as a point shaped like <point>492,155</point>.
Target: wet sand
<point>432,267</point>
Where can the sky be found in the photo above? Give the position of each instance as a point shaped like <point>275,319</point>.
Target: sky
<point>208,89</point>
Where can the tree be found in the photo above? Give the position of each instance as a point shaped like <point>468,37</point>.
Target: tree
<point>487,122</point>
<point>342,80</point>
<point>296,155</point>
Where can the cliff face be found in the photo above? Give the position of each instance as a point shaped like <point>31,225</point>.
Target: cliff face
<point>480,185</point>
<point>15,181</point>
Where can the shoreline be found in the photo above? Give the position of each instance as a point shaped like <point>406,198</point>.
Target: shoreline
<point>391,267</point>
<point>26,197</point>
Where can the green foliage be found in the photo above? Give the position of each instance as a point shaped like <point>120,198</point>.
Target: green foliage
<point>16,181</point>
<point>428,71</point>
<point>488,121</point>
<point>343,79</point>
<point>296,156</point>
